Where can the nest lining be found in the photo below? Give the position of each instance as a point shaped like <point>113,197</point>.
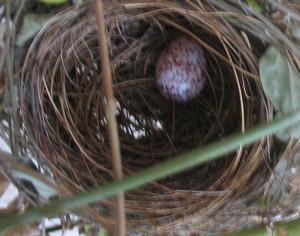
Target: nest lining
<point>62,103</point>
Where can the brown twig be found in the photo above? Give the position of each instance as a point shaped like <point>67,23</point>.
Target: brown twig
<point>110,108</point>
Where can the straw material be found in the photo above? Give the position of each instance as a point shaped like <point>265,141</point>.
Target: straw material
<point>62,103</point>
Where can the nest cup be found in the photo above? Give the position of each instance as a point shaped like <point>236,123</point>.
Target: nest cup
<point>63,108</point>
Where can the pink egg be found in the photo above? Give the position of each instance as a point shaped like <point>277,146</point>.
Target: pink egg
<point>181,69</point>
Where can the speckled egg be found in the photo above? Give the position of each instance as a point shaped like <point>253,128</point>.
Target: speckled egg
<point>181,69</point>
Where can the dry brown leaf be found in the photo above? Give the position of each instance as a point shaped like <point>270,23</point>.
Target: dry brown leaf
<point>3,184</point>
<point>27,230</point>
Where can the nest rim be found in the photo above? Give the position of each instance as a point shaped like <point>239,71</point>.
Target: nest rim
<point>245,72</point>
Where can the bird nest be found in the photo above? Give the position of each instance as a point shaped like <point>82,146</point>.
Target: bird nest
<point>63,107</point>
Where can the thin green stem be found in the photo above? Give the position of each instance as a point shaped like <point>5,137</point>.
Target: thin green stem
<point>180,163</point>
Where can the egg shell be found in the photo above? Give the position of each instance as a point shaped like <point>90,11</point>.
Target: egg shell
<point>181,69</point>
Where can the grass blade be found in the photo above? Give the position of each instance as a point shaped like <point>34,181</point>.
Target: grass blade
<point>180,163</point>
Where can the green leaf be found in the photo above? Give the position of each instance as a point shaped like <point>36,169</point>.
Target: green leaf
<point>232,19</point>
<point>54,1</point>
<point>32,24</point>
<point>276,189</point>
<point>40,187</point>
<point>103,232</point>
<point>281,83</point>
<point>255,4</point>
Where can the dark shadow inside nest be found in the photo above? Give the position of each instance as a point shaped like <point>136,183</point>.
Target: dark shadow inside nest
<point>153,129</point>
